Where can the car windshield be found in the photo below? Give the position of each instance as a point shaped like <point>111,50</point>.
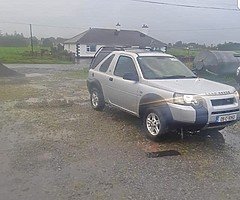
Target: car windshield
<point>162,67</point>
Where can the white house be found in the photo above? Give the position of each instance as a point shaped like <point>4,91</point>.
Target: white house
<point>87,43</point>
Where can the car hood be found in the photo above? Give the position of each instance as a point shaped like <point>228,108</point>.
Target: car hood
<point>192,86</point>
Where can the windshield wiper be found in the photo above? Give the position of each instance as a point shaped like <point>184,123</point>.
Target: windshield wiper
<point>176,77</point>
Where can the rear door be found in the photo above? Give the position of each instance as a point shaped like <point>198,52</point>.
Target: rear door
<point>123,93</point>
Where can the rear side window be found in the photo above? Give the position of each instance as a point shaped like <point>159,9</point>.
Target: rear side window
<point>99,59</point>
<point>125,65</point>
<point>104,67</point>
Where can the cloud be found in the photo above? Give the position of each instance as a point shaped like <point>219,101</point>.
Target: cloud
<point>131,15</point>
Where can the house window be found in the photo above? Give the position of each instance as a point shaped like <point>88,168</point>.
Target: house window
<point>91,48</point>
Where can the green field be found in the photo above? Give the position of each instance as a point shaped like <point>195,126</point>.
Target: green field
<point>82,74</point>
<point>182,52</point>
<point>23,55</point>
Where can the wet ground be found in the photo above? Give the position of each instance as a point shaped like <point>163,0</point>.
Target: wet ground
<point>54,146</point>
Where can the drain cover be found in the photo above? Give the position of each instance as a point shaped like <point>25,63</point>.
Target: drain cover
<point>163,154</point>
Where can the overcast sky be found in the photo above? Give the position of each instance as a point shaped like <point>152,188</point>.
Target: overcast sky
<point>166,23</point>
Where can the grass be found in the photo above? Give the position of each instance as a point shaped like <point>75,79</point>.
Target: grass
<point>80,74</point>
<point>226,79</point>
<point>182,52</point>
<point>23,55</point>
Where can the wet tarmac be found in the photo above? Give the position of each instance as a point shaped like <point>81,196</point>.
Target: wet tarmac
<point>54,146</point>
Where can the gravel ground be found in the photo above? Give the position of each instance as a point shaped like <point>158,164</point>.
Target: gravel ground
<point>54,146</point>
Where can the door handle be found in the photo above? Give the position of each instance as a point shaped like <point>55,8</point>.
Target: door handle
<point>110,79</point>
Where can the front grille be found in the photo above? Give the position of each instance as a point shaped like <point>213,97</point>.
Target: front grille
<point>222,102</point>
<point>225,111</point>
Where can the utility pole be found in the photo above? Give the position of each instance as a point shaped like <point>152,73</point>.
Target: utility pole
<point>188,50</point>
<point>31,35</point>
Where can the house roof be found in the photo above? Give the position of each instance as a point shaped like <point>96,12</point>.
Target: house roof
<point>112,37</point>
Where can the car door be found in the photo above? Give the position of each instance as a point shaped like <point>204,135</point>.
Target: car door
<point>123,93</point>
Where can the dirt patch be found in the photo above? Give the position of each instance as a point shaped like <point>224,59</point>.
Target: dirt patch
<point>16,92</point>
<point>6,72</point>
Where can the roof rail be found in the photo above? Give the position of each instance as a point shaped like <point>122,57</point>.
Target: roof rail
<point>124,48</point>
<point>106,50</point>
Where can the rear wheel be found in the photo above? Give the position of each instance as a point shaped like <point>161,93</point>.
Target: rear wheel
<point>97,99</point>
<point>154,125</point>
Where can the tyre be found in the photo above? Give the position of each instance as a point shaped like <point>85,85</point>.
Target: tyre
<point>154,124</point>
<point>97,99</point>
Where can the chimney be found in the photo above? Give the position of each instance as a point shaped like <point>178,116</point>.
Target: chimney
<point>145,29</point>
<point>118,27</point>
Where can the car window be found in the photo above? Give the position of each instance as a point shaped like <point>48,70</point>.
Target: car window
<point>157,67</point>
<point>124,65</point>
<point>104,67</point>
<point>99,59</point>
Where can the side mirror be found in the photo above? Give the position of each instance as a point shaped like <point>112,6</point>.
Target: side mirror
<point>130,77</point>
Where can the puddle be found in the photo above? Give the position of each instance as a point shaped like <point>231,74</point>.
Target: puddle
<point>159,154</point>
<point>191,144</point>
<point>33,75</point>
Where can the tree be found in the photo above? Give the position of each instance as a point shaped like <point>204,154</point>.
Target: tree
<point>46,42</point>
<point>179,44</point>
<point>230,46</point>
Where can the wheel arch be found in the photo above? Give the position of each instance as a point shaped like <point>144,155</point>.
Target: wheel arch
<point>94,83</point>
<point>152,100</point>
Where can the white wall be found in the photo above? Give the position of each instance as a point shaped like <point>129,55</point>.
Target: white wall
<point>85,53</point>
<point>83,50</point>
<point>70,48</point>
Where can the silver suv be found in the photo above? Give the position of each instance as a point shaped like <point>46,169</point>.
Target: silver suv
<point>161,90</point>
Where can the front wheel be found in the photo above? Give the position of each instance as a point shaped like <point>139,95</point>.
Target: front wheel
<point>154,125</point>
<point>97,99</point>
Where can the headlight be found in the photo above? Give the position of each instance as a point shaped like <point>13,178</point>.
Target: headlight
<point>237,95</point>
<point>185,99</point>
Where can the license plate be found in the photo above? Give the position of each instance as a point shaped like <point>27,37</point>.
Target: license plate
<point>227,118</point>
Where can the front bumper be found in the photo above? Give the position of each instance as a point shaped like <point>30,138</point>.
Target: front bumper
<point>201,117</point>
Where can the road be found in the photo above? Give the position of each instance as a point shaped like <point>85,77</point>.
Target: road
<point>53,146</point>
